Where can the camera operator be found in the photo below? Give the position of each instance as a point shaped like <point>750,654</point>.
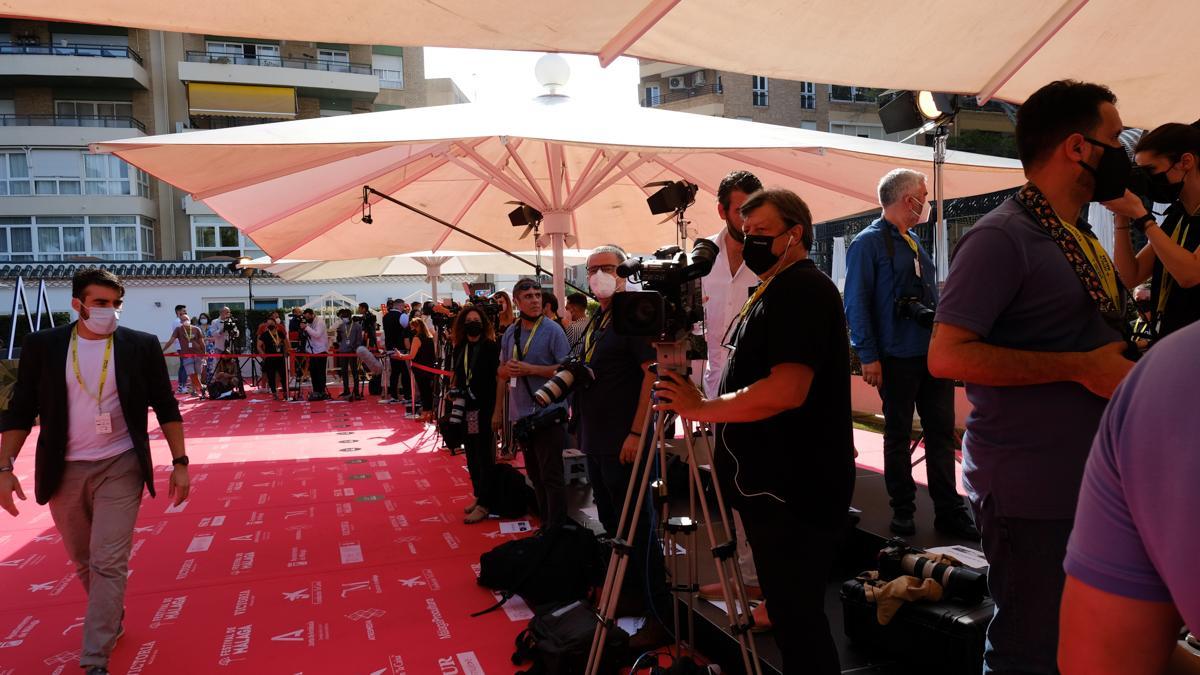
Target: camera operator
<point>317,336</point>
<point>476,359</point>
<point>609,415</point>
<point>891,292</point>
<point>725,289</point>
<point>369,326</point>
<point>784,450</point>
<point>531,352</point>
<point>273,341</point>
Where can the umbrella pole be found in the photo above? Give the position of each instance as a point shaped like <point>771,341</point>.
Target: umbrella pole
<point>941,235</point>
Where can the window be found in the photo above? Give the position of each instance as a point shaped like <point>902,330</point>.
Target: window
<point>848,94</point>
<point>860,130</point>
<point>288,303</point>
<point>110,175</point>
<point>246,53</point>
<point>758,85</point>
<point>14,173</point>
<point>55,172</point>
<point>653,96</point>
<point>808,124</point>
<point>92,109</point>
<point>336,60</point>
<point>212,236</point>
<point>808,96</point>
<point>56,238</point>
<point>389,69</point>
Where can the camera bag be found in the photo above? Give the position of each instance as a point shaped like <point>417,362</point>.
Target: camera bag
<point>558,564</point>
<point>508,494</point>
<point>932,637</point>
<point>559,638</point>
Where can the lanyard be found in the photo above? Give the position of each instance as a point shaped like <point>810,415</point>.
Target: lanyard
<point>467,363</point>
<point>589,347</point>
<point>99,395</point>
<point>520,354</point>
<point>910,241</point>
<point>1166,281</point>
<point>274,337</point>
<point>753,300</point>
<point>1099,261</point>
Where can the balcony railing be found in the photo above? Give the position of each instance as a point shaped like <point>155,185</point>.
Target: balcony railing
<point>100,121</point>
<point>71,49</point>
<point>281,62</point>
<point>676,95</point>
<point>844,94</point>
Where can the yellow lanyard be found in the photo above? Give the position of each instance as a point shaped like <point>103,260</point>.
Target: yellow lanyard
<point>528,340</point>
<point>99,395</point>
<point>589,347</point>
<point>274,337</point>
<point>1099,261</point>
<point>467,364</point>
<point>1166,281</point>
<point>910,241</point>
<point>758,292</point>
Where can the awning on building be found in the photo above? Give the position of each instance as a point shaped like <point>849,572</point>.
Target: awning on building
<point>241,100</point>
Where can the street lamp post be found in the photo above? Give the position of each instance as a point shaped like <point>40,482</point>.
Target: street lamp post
<point>248,272</point>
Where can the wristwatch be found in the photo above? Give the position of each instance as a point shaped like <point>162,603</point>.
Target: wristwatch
<point>7,468</point>
<point>1140,224</point>
<point>180,461</point>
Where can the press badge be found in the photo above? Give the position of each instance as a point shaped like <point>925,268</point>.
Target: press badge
<point>917,266</point>
<point>512,383</point>
<point>104,423</point>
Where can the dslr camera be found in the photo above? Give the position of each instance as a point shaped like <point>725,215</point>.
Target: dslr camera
<point>911,307</point>
<point>672,302</point>
<point>573,373</point>
<point>898,559</point>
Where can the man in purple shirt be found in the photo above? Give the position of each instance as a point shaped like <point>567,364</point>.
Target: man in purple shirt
<point>1029,321</point>
<point>1131,563</point>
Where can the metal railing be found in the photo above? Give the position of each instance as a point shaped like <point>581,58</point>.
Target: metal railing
<point>71,49</point>
<point>845,94</point>
<point>675,95</point>
<point>281,62</point>
<point>100,121</point>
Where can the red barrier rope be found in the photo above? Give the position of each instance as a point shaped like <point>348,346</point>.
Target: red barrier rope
<point>435,371</point>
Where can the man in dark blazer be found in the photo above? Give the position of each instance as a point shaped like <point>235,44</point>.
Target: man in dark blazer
<point>393,339</point>
<point>91,383</point>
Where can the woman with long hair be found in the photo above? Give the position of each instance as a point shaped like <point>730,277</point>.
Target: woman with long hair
<point>420,352</point>
<point>1169,157</point>
<point>476,359</point>
<point>506,316</point>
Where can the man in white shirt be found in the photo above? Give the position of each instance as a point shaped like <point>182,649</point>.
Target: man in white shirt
<point>318,343</point>
<point>91,383</point>
<point>219,337</point>
<point>726,288</point>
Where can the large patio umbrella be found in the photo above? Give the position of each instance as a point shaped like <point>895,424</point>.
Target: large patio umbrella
<point>297,188</point>
<point>1005,49</point>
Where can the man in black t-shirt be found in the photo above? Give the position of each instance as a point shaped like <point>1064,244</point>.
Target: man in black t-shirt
<point>785,454</point>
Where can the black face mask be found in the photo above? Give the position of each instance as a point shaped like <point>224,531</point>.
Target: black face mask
<point>1111,174</point>
<point>1161,190</point>
<point>474,329</point>
<point>757,254</point>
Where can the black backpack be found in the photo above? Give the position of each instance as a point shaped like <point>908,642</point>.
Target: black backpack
<point>559,564</point>
<point>508,495</point>
<point>375,385</point>
<point>559,638</point>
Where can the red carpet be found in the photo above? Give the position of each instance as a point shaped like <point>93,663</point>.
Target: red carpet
<point>870,456</point>
<point>319,538</point>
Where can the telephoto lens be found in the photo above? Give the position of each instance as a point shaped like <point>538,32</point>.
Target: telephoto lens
<point>567,378</point>
<point>458,408</point>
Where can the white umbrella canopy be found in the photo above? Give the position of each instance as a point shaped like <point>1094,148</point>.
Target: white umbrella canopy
<point>296,188</point>
<point>1003,49</point>
<point>419,263</point>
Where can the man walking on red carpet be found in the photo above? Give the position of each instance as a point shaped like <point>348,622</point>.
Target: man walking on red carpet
<point>91,383</point>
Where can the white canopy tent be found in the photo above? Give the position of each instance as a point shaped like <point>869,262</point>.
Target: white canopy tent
<point>297,188</point>
<point>1002,50</point>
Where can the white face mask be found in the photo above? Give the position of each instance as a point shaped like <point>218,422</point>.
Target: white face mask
<point>101,320</point>
<point>603,285</point>
<point>203,322</point>
<point>924,213</point>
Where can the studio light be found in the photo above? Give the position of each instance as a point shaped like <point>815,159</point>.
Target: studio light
<point>524,215</point>
<point>366,206</point>
<point>917,110</point>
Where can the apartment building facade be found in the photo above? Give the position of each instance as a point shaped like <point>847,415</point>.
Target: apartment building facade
<point>832,108</point>
<point>64,86</point>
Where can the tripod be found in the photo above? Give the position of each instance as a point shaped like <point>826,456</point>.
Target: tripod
<point>673,356</point>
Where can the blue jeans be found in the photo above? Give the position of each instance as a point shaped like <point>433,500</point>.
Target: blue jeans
<point>1026,581</point>
<point>182,376</point>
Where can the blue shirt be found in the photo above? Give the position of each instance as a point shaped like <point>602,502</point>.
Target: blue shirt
<point>874,281</point>
<point>1025,446</point>
<point>1134,534</point>
<point>547,347</point>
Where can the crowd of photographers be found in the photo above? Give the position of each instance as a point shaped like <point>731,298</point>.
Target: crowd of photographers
<point>1080,469</point>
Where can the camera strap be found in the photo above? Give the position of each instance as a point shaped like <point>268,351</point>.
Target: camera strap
<point>590,339</point>
<point>519,351</point>
<point>750,303</point>
<point>469,360</point>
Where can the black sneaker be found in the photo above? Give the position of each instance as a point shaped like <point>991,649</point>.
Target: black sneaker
<point>957,525</point>
<point>96,670</point>
<point>903,526</point>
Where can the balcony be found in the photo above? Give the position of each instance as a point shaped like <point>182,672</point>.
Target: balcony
<point>76,130</point>
<point>310,77</point>
<point>679,95</point>
<point>844,94</point>
<point>72,64</point>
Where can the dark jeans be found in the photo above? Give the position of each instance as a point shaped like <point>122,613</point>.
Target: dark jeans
<point>316,371</point>
<point>544,463</point>
<point>350,382</point>
<point>1026,581</point>
<point>273,369</point>
<point>481,457</point>
<point>794,554</point>
<point>907,383</point>
<point>425,387</point>
<point>609,479</point>
<point>398,379</point>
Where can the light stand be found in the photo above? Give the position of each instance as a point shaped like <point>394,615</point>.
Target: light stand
<point>941,236</point>
<point>672,356</point>
<point>247,335</point>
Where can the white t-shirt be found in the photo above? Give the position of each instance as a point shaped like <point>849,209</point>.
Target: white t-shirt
<point>83,443</point>
<point>216,330</point>
<point>724,295</point>
<point>318,336</point>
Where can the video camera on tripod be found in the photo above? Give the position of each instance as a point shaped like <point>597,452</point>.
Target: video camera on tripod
<point>672,302</point>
